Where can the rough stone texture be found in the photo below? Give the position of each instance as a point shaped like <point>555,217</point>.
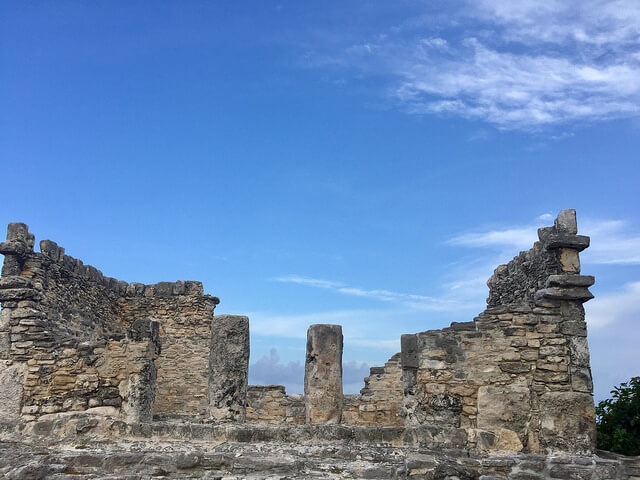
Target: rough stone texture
<point>270,404</point>
<point>79,446</point>
<point>11,389</point>
<point>380,401</point>
<point>323,374</point>
<point>229,367</point>
<point>505,410</point>
<point>74,329</point>
<point>107,379</point>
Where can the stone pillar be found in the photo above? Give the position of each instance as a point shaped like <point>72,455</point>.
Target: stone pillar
<point>229,368</point>
<point>141,391</point>
<point>323,374</point>
<point>19,243</point>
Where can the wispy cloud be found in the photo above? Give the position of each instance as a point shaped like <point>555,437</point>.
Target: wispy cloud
<point>613,307</point>
<point>408,300</point>
<point>612,241</point>
<point>379,328</point>
<point>517,65</point>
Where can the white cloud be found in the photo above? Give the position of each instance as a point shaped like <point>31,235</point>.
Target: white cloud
<point>609,308</point>
<point>517,65</point>
<point>612,242</point>
<point>409,300</point>
<point>517,238</point>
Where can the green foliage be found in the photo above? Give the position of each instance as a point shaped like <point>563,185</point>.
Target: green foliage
<point>618,419</point>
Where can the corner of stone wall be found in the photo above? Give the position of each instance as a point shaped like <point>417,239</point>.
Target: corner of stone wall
<point>21,318</point>
<point>517,378</point>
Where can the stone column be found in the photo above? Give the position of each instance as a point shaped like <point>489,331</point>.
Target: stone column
<point>229,368</point>
<point>323,374</point>
<point>141,394</point>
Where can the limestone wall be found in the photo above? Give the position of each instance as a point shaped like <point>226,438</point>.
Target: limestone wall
<point>270,404</point>
<point>380,401</point>
<point>184,315</point>
<point>80,340</point>
<point>517,378</point>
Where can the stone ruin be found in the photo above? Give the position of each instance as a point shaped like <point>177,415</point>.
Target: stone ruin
<point>100,378</point>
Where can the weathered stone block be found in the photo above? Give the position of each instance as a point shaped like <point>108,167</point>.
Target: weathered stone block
<point>229,367</point>
<point>409,346</point>
<point>569,260</point>
<point>567,421</point>
<point>323,374</point>
<point>505,408</point>
<point>12,378</point>
<point>579,349</point>
<point>566,222</point>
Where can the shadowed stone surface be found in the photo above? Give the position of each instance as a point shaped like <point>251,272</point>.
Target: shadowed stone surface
<point>229,367</point>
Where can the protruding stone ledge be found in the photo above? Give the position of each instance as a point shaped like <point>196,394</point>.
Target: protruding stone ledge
<point>15,281</point>
<point>570,281</point>
<point>14,248</point>
<point>554,241</point>
<point>557,293</point>
<point>17,294</point>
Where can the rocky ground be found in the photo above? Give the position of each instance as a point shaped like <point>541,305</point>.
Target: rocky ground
<point>82,446</point>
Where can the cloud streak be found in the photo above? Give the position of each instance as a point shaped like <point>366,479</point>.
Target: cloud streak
<point>613,242</point>
<point>409,300</point>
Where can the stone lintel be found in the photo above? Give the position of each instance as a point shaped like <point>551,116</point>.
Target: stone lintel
<point>570,281</point>
<point>554,241</point>
<point>570,293</point>
<point>14,248</point>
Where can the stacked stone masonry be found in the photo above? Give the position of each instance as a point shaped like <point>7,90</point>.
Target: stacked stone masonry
<point>88,358</point>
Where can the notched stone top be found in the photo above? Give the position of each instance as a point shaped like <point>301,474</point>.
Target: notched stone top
<point>550,270</point>
<point>20,243</point>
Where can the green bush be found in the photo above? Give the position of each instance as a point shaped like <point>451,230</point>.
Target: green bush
<point>618,419</point>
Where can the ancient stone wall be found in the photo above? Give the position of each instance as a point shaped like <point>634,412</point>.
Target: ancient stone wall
<point>380,401</point>
<point>80,340</point>
<point>184,315</point>
<point>270,404</point>
<point>517,378</point>
<point>505,396</point>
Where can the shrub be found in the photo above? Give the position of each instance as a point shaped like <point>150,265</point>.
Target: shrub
<point>618,419</point>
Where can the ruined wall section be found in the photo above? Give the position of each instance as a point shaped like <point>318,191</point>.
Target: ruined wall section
<point>270,404</point>
<point>184,315</point>
<point>380,401</point>
<point>517,378</point>
<point>72,339</point>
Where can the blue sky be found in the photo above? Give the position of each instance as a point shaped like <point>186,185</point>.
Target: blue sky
<point>361,163</point>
